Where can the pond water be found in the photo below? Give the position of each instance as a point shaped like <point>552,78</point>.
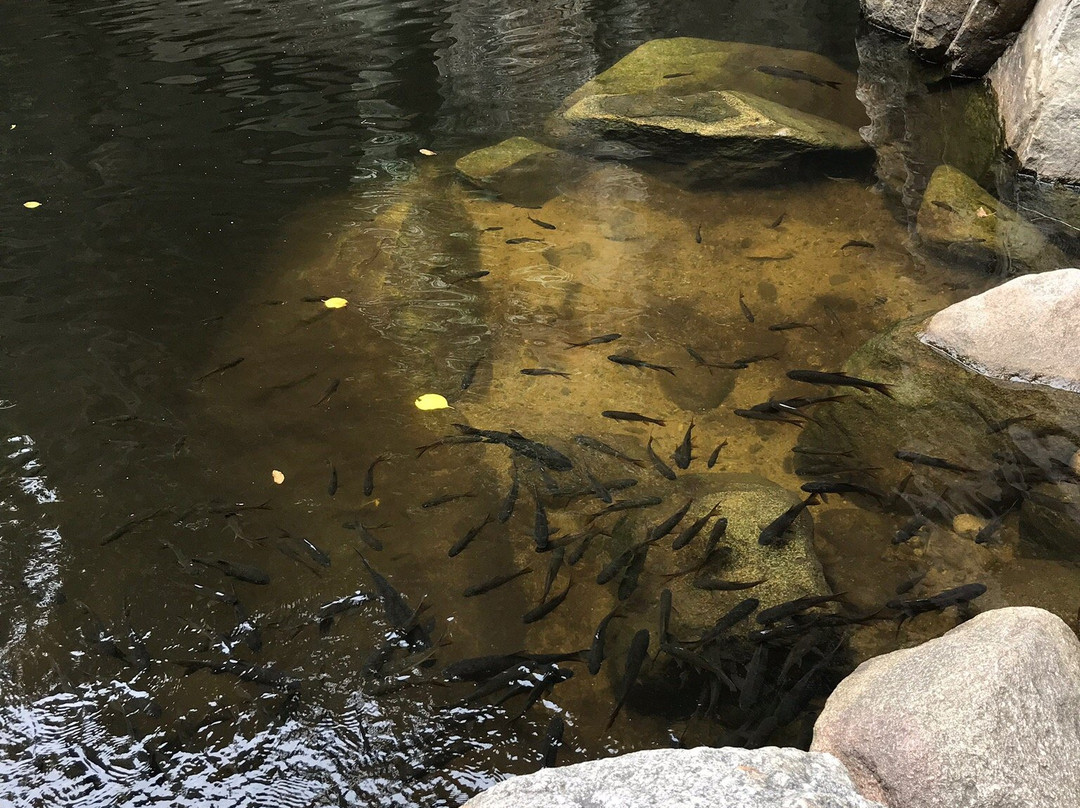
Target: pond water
<point>209,174</point>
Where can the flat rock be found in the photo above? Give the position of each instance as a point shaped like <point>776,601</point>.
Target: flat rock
<point>987,715</point>
<point>684,778</point>
<point>520,170</point>
<point>1025,330</point>
<point>483,164</point>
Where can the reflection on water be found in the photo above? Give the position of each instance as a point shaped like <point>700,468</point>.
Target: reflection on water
<point>176,626</point>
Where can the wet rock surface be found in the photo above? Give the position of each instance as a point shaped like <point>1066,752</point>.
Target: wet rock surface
<point>684,778</point>
<point>987,715</point>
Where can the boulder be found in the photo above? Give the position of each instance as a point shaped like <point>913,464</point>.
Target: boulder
<point>1038,86</point>
<point>987,715</point>
<point>960,220</point>
<point>936,25</point>
<point>684,778</point>
<point>520,170</point>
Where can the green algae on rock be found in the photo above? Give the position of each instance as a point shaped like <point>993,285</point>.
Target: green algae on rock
<point>521,170</point>
<point>483,164</point>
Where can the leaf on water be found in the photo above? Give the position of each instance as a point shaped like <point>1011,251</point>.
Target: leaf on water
<point>431,401</point>
<point>31,205</point>
<point>427,152</point>
<point>335,302</point>
<point>279,478</point>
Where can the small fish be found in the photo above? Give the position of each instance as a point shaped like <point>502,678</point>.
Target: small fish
<point>628,504</point>
<point>857,243</point>
<point>545,225</point>
<point>773,534</point>
<point>366,536</point>
<point>797,75</point>
<point>749,360</point>
<point>220,369</point>
<point>682,456</point>
<point>435,502</point>
<point>248,573</point>
<point>989,530</point>
<point>595,656</point>
<point>330,390</point>
<point>491,229</point>
<point>908,584</point>
<point>369,475</point>
<point>992,428</point>
<point>632,574</point>
<point>754,678</point>
<point>635,657</point>
<point>599,488</point>
<point>547,607</point>
<point>178,447</point>
<point>840,379</point>
<point>749,315</point>
<point>470,374</point>
<point>601,340</point>
<point>803,450</point>
<point>583,545</point>
<point>944,206</point>
<point>543,372</point>
<point>690,533</point>
<point>622,415</point>
<point>739,612</point>
<point>676,75</point>
<point>466,540</point>
<point>659,531</point>
<point>910,528</point>
<point>603,448</point>
<point>494,583</point>
<point>553,736</point>
<point>823,487</point>
<point>524,240</point>
<point>715,454</point>
<point>541,530</point>
<point>128,526</point>
<point>554,565</point>
<point>779,220</point>
<point>450,440</point>
<point>471,276</point>
<point>662,468</point>
<point>506,510</point>
<point>332,484</point>
<point>629,361</point>
<point>712,584</point>
<point>759,415</point>
<point>697,234</point>
<point>917,459</point>
<point>614,567</point>
<point>791,607</point>
<point>664,609</point>
<point>789,325</point>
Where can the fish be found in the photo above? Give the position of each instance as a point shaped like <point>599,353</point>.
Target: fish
<point>779,220</point>
<point>449,440</point>
<point>600,340</point>
<point>629,361</point>
<point>789,325</point>
<point>524,240</point>
<point>491,584</point>
<point>603,448</point>
<point>992,428</point>
<point>989,530</point>
<point>369,475</point>
<point>797,75</point>
<point>248,573</point>
<point>857,243</point>
<point>727,621</point>
<point>629,581</point>
<point>471,534</point>
<point>698,358</point>
<point>470,276</point>
<point>547,607</point>
<point>755,677</point>
<point>539,223</point>
<point>917,459</point>
<point>553,736</point>
<point>626,505</point>
<point>583,545</point>
<point>659,531</point>
<point>662,468</point>
<point>749,315</point>
<point>396,609</point>
<point>715,454</point>
<point>328,611</point>
<point>543,372</point>
<point>131,524</point>
<point>712,584</point>
<point>749,360</point>
<point>245,671</point>
<point>443,499</point>
<point>664,609</point>
<point>615,566</point>
<point>595,656</point>
<point>221,369</point>
<point>491,229</point>
<point>760,415</point>
<point>598,487</point>
<point>332,483</point>
<point>541,530</point>
<point>470,373</point>
<point>825,487</point>
<point>178,447</point>
<point>784,610</point>
<point>697,234</point>
<point>944,205</point>
<point>840,379</point>
<point>804,450</point>
<point>773,534</point>
<point>366,536</point>
<point>635,657</point>
<point>676,75</point>
<point>958,596</point>
<point>691,532</point>
<point>506,510</point>
<point>682,455</point>
<point>330,390</point>
<point>516,442</point>
<point>910,528</point>
<point>908,584</point>
<point>554,565</point>
<point>622,415</point>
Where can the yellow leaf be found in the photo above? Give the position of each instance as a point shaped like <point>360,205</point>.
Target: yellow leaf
<point>982,212</point>
<point>427,152</point>
<point>431,401</point>
<point>31,205</point>
<point>279,478</point>
<point>335,303</point>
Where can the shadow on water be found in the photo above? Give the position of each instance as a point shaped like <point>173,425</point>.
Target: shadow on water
<point>179,626</point>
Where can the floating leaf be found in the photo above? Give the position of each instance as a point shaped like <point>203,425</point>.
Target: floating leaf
<point>982,212</point>
<point>279,478</point>
<point>335,302</point>
<point>431,401</point>
<point>31,205</point>
<point>428,152</point>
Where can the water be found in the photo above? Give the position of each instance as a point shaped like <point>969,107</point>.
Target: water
<point>208,172</point>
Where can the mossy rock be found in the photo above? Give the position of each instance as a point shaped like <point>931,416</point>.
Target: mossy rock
<point>520,170</point>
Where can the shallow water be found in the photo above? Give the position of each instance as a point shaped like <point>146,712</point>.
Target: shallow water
<point>208,173</point>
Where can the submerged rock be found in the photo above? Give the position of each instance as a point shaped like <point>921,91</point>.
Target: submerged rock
<point>1024,330</point>
<point>987,715</point>
<point>520,170</point>
<point>959,219</point>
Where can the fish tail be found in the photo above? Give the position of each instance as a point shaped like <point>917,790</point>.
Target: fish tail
<point>883,388</point>
<point>834,84</point>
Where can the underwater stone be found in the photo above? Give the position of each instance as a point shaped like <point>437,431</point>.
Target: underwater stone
<point>521,171</point>
<point>684,778</point>
<point>483,164</point>
<point>987,715</point>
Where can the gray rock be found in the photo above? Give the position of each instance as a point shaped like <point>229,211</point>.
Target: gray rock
<point>1024,330</point>
<point>895,15</point>
<point>1038,85</point>
<point>684,778</point>
<point>936,25</point>
<point>989,27</point>
<point>987,715</point>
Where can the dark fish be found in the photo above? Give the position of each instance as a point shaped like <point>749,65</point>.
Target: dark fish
<point>958,596</point>
<point>755,677</point>
<point>178,447</point>
<point>698,358</point>
<point>332,483</point>
<point>621,415</point>
<point>596,651</point>
<point>789,325</point>
<point>494,583</point>
<point>397,611</point>
<point>516,442</point>
<point>791,607</point>
<point>450,440</point>
<point>944,206</point>
<point>366,536</point>
<point>553,736</point>
<point>629,581</point>
<point>603,338</point>
<point>547,607</point>
<point>840,379</point>
<point>628,504</point>
<point>369,475</point>
<point>524,240</point>
<point>797,75</point>
<point>917,459</point>
<point>328,611</point>
<point>598,487</point>
<point>635,657</point>
<point>615,566</point>
<point>992,428</point>
<point>825,487</point>
<point>715,454</point>
<point>749,360</point>
<point>690,533</point>
<point>443,499</point>
<point>803,450</point>
<point>465,540</point>
<point>760,415</point>
<point>662,468</point>
<point>603,448</point>
<point>131,524</point>
<point>583,545</point>
<point>629,361</point>
<point>554,565</point>
<point>676,75</point>
<point>749,315</point>
<point>989,530</point>
<point>857,243</point>
<point>910,528</point>
<point>220,369</point>
<point>506,510</point>
<point>712,584</point>
<point>682,456</point>
<point>779,220</point>
<point>697,234</point>
<point>669,524</point>
<point>541,531</point>
<point>330,390</point>
<point>491,229</point>
<point>245,671</point>
<point>471,276</point>
<point>470,374</point>
<point>908,584</point>
<point>248,573</point>
<point>543,372</point>
<point>739,612</point>
<point>664,609</point>
<point>773,534</point>
<point>545,225</point>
